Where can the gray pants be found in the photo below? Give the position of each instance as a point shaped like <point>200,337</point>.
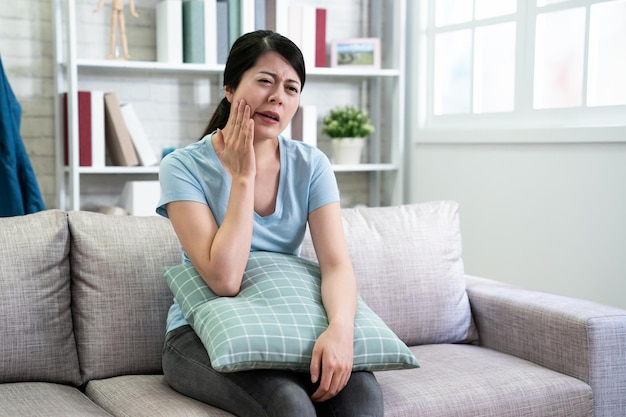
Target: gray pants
<point>260,393</point>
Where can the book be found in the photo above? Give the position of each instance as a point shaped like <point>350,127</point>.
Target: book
<point>98,140</point>
<point>281,16</point>
<point>144,150</point>
<point>84,129</point>
<point>210,32</point>
<point>308,35</point>
<point>301,30</point>
<point>320,37</point>
<point>309,124</point>
<point>234,21</point>
<point>140,198</point>
<point>119,145</point>
<point>169,30</point>
<point>193,31</point>
<point>247,18</point>
<point>304,125</point>
<point>294,26</point>
<point>90,129</point>
<point>223,46</point>
<point>270,15</point>
<point>260,14</point>
<point>295,125</point>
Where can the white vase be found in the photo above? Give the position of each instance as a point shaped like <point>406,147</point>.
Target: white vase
<point>347,151</point>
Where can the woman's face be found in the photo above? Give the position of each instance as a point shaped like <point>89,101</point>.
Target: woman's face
<point>272,90</point>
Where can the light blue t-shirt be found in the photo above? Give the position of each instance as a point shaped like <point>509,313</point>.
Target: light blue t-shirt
<point>307,182</point>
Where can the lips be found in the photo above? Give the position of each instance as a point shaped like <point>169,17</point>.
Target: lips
<point>270,115</point>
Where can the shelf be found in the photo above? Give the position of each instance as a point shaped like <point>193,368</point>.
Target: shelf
<point>111,170</point>
<point>365,167</point>
<point>142,66</point>
<point>183,93</point>
<point>153,66</point>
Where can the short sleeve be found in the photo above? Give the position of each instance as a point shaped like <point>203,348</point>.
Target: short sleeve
<point>177,183</point>
<point>323,188</point>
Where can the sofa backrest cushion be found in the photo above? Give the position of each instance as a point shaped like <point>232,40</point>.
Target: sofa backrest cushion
<point>36,337</point>
<point>409,269</point>
<point>120,298</point>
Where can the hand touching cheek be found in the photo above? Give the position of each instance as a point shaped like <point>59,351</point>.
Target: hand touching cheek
<point>234,143</point>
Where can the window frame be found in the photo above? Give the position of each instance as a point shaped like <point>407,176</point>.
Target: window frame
<point>524,123</point>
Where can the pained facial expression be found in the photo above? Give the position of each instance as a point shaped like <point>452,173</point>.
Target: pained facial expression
<point>272,90</point>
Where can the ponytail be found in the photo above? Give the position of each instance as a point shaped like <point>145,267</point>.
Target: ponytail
<point>219,118</point>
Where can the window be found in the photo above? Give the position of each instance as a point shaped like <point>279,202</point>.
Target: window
<point>606,71</point>
<point>537,63</point>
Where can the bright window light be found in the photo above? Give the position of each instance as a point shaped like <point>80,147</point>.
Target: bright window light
<point>606,78</point>
<point>453,72</point>
<point>492,8</point>
<point>541,3</point>
<point>559,55</point>
<point>494,68</point>
<point>495,64</point>
<point>449,12</point>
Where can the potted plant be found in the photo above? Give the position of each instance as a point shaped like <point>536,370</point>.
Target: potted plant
<point>347,127</point>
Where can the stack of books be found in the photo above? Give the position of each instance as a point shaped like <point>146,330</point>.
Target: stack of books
<point>107,128</point>
<point>202,31</point>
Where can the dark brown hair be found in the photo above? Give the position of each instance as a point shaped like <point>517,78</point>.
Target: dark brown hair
<point>243,55</point>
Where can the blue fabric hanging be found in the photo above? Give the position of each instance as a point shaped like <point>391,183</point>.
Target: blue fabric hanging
<point>19,190</point>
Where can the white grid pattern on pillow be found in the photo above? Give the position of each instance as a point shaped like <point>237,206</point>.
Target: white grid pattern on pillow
<point>274,321</point>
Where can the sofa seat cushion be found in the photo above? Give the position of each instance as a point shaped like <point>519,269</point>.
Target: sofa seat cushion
<point>36,336</point>
<point>408,264</point>
<point>120,299</point>
<point>42,399</point>
<point>146,396</point>
<point>467,380</point>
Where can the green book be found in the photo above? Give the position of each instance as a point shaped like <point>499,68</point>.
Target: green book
<point>193,31</point>
<point>234,21</point>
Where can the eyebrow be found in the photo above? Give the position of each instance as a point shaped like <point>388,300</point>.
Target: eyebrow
<point>273,75</point>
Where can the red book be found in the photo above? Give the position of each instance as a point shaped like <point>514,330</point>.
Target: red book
<point>320,37</point>
<point>84,129</point>
<point>270,15</point>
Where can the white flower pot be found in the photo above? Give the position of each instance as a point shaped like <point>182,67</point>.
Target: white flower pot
<point>347,151</point>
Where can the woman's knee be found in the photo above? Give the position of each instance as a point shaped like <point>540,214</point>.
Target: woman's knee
<point>361,397</point>
<point>187,369</point>
<point>289,400</point>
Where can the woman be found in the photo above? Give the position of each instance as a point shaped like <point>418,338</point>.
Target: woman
<point>243,188</point>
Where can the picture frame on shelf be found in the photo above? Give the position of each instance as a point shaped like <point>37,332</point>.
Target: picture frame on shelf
<point>355,52</point>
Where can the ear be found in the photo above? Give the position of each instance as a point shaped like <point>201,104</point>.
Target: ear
<point>228,93</point>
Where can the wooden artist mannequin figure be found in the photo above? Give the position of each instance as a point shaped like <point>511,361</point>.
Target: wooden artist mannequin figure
<point>117,21</point>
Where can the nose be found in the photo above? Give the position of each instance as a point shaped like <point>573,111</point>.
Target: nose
<point>276,96</point>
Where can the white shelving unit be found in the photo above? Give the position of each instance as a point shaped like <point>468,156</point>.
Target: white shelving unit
<point>381,91</point>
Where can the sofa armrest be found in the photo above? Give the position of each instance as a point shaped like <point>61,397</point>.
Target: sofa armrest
<point>579,338</point>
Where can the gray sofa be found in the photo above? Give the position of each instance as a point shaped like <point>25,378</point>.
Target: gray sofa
<point>83,305</point>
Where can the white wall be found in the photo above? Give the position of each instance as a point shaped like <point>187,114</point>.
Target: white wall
<point>547,216</point>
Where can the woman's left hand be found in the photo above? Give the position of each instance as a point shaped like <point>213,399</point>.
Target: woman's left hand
<point>332,360</point>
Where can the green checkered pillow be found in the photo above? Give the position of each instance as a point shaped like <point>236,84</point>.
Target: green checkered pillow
<point>276,318</point>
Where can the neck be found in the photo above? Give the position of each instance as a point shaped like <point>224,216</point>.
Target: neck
<point>266,150</point>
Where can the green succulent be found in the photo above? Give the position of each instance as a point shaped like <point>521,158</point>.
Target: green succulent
<point>347,122</point>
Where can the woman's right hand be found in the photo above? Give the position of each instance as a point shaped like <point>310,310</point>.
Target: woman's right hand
<point>220,253</point>
<point>234,143</point>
